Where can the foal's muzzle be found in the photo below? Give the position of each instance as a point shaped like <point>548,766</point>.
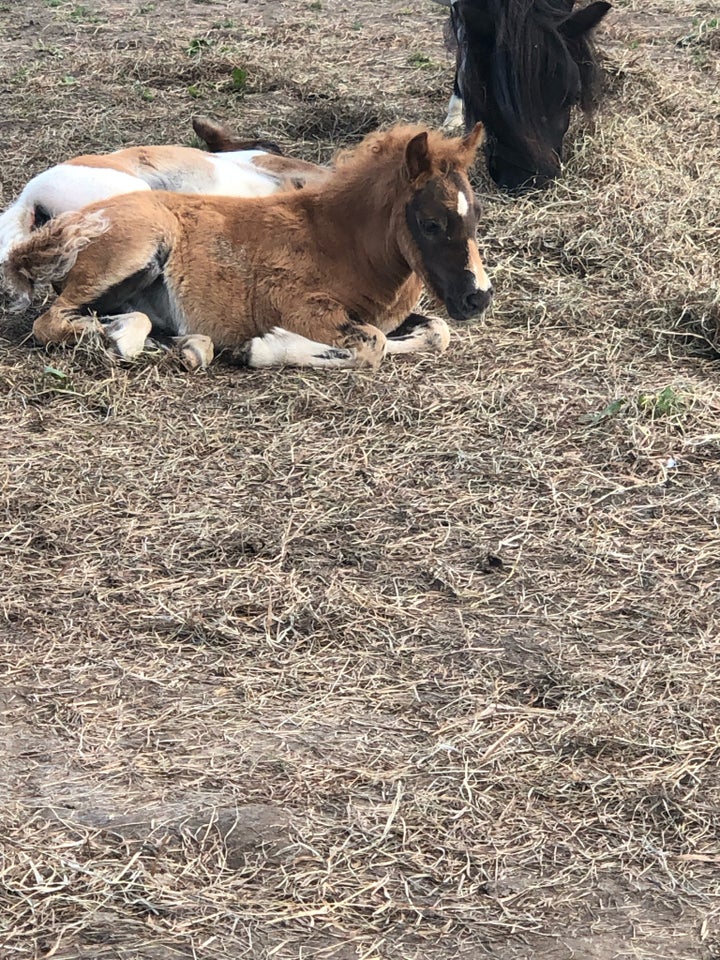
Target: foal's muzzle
<point>469,304</point>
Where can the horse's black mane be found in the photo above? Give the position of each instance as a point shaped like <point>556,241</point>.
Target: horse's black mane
<point>526,46</point>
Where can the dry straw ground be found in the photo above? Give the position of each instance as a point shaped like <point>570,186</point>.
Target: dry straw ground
<point>415,664</point>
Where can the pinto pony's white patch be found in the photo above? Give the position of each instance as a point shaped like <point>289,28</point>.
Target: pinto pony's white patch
<point>236,176</point>
<point>462,205</point>
<point>61,189</point>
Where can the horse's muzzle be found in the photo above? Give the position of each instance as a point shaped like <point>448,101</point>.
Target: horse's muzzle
<point>519,180</point>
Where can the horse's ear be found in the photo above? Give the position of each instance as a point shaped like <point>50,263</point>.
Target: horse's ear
<point>417,156</point>
<point>585,20</point>
<point>470,143</point>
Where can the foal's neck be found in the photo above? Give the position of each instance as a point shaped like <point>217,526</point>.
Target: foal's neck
<point>363,221</point>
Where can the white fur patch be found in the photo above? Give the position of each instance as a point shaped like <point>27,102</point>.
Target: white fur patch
<point>430,337</point>
<point>475,265</point>
<point>279,346</point>
<point>59,190</point>
<point>462,205</point>
<point>235,175</point>
<point>454,116</point>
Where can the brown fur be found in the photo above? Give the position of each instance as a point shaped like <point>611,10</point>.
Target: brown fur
<point>334,262</point>
<point>50,254</point>
<point>291,172</point>
<point>132,160</point>
<point>220,138</point>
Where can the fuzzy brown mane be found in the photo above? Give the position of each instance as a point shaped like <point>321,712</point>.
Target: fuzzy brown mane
<point>377,164</point>
<point>448,153</point>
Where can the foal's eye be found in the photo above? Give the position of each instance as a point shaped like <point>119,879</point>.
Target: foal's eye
<point>432,228</point>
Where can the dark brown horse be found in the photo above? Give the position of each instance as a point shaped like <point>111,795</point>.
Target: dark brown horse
<point>522,65</point>
<point>321,276</point>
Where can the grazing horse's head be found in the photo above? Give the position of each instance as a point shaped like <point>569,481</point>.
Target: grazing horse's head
<point>441,219</point>
<point>521,66</point>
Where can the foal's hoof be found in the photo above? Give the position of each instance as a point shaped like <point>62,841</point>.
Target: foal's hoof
<point>196,351</point>
<point>127,334</point>
<point>437,335</point>
<point>368,348</point>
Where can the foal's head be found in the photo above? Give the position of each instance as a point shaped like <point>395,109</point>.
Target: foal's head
<point>521,67</point>
<point>440,216</point>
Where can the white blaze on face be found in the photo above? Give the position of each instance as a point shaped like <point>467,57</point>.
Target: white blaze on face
<point>475,266</point>
<point>462,204</point>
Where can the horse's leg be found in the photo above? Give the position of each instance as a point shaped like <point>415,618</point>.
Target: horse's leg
<point>455,117</point>
<point>408,331</point>
<point>367,342</point>
<point>103,280</point>
<point>127,333</point>
<point>419,334</point>
<point>344,343</point>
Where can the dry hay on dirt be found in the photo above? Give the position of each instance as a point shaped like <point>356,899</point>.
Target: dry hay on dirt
<point>415,664</point>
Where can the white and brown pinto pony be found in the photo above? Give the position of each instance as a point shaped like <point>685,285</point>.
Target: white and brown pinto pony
<point>326,276</point>
<point>244,168</point>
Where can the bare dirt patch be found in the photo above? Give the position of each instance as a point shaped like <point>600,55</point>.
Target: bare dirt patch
<point>415,664</point>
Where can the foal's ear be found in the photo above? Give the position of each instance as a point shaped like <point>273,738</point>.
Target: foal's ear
<point>585,20</point>
<point>417,156</point>
<point>470,143</point>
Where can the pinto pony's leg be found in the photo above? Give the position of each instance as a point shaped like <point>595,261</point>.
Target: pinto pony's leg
<point>419,334</point>
<point>220,139</point>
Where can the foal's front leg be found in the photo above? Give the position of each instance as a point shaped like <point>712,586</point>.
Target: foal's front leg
<point>280,347</point>
<point>419,334</point>
<point>319,333</point>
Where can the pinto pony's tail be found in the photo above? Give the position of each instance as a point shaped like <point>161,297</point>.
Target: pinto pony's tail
<point>49,254</point>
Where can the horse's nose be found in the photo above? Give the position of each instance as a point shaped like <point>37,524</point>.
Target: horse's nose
<point>477,302</point>
<point>519,182</point>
